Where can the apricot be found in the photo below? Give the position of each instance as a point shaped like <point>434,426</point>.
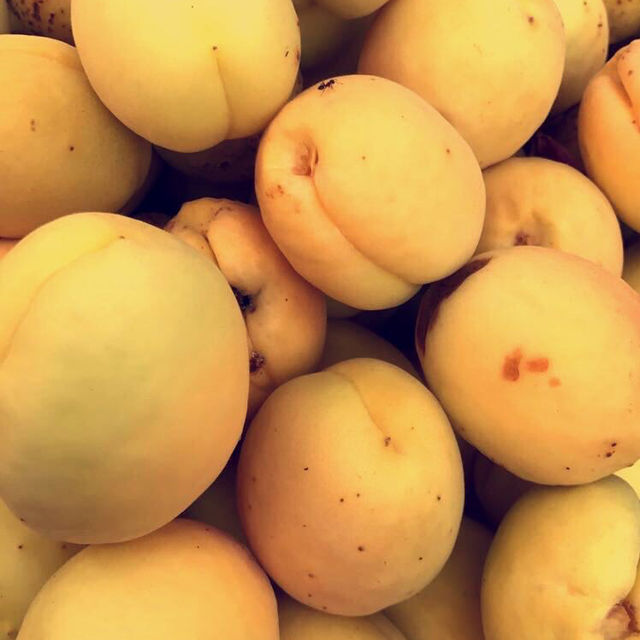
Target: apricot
<point>285,316</point>
<point>6,244</point>
<point>352,8</point>
<point>492,73</point>
<point>198,73</point>
<point>62,151</point>
<point>184,580</point>
<point>346,340</point>
<point>340,179</point>
<point>624,19</point>
<point>449,607</point>
<point>298,622</point>
<point>535,356</point>
<point>27,560</point>
<point>125,352</point>
<point>567,557</point>
<point>609,132</point>
<point>350,487</point>
<point>586,30</point>
<point>550,204</point>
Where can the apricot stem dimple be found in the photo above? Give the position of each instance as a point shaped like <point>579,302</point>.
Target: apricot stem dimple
<point>306,160</point>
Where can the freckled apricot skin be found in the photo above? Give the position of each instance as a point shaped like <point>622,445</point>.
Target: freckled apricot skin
<point>350,487</point>
<point>340,180</point>
<point>535,356</point>
<point>49,18</point>
<point>62,150</point>
<point>185,579</point>
<point>198,73</point>
<point>493,74</point>
<point>609,132</point>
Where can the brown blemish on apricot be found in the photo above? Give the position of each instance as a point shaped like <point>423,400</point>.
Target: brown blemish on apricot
<point>256,361</point>
<point>360,548</point>
<point>511,365</point>
<point>537,365</point>
<point>387,440</point>
<point>521,239</point>
<point>437,293</point>
<point>554,382</point>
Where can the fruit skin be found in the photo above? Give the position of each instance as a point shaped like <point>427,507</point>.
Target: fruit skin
<point>535,356</point>
<point>337,198</point>
<point>587,42</point>
<point>184,580</point>
<point>27,560</point>
<point>213,70</point>
<point>541,202</point>
<point>49,18</point>
<point>6,245</point>
<point>624,19</point>
<point>449,607</point>
<point>351,8</point>
<point>63,152</point>
<point>298,622</point>
<point>346,340</point>
<point>115,358</point>
<point>335,470</point>
<point>468,63</point>
<point>285,316</point>
<point>609,135</point>
<point>567,558</point>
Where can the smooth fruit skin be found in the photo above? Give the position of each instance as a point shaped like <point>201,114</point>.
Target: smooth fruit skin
<point>587,42</point>
<point>563,564</point>
<point>609,133</point>
<point>535,356</point>
<point>624,19</point>
<point>535,201</point>
<point>492,68</point>
<point>340,180</point>
<point>350,487</point>
<point>186,579</point>
<point>213,69</point>
<point>27,560</point>
<point>120,381</point>
<point>62,151</point>
<point>298,622</point>
<point>285,316</point>
<point>449,607</point>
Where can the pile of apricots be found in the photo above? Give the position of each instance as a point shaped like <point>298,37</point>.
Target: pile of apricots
<point>319,319</point>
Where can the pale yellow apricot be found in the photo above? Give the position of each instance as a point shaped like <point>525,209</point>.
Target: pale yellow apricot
<point>285,316</point>
<point>50,18</point>
<point>340,178</point>
<point>449,607</point>
<point>62,151</point>
<point>586,30</point>
<point>563,565</point>
<point>346,340</point>
<point>624,19</point>
<point>198,73</point>
<point>550,204</point>
<point>125,351</point>
<point>350,487</point>
<point>186,580</point>
<point>298,622</point>
<point>631,475</point>
<point>492,69</point>
<point>27,560</point>
<point>609,132</point>
<point>535,356</point>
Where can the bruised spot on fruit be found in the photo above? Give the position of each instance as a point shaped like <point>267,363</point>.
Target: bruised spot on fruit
<point>360,548</point>
<point>20,546</point>
<point>521,239</point>
<point>621,621</point>
<point>256,361</point>
<point>537,365</point>
<point>306,161</point>
<point>387,441</point>
<point>511,365</point>
<point>554,382</point>
<point>245,300</point>
<point>437,293</point>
